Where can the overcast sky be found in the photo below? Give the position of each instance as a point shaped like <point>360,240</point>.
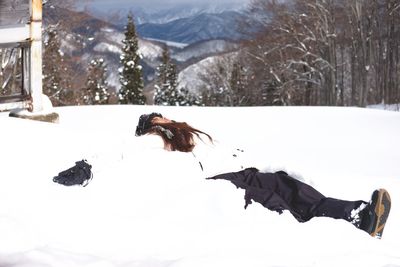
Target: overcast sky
<point>159,4</point>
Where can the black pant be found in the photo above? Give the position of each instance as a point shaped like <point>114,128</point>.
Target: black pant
<point>278,191</point>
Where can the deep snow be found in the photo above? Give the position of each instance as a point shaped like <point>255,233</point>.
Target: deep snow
<point>147,207</point>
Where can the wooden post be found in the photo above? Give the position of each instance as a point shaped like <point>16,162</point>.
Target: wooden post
<point>35,59</point>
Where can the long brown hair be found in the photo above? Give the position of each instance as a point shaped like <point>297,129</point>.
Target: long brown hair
<point>180,136</point>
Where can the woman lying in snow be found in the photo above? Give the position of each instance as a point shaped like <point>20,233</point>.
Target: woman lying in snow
<point>276,191</point>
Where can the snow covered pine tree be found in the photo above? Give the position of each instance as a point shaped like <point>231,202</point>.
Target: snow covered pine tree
<point>131,77</point>
<point>96,85</point>
<point>166,88</point>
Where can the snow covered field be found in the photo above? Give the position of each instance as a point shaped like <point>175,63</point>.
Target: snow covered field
<point>146,207</point>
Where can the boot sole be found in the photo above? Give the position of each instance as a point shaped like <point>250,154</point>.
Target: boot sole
<point>382,210</point>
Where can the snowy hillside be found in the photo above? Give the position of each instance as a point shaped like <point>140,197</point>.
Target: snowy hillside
<point>149,207</point>
<point>173,45</point>
<point>192,77</point>
<point>149,50</point>
<point>107,43</point>
<point>204,48</point>
<point>93,38</point>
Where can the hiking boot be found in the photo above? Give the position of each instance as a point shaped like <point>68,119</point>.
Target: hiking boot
<point>373,217</point>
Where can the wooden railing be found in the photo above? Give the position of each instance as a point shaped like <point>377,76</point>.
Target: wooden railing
<point>20,29</point>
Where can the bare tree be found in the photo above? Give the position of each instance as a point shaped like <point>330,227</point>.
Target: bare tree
<point>325,52</point>
<point>64,74</point>
<point>225,82</point>
<point>298,51</point>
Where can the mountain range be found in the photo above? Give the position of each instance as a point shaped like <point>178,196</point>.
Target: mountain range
<point>156,14</point>
<point>203,26</point>
<point>185,24</point>
<point>95,38</point>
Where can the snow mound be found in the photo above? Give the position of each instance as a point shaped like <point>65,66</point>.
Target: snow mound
<point>149,207</point>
